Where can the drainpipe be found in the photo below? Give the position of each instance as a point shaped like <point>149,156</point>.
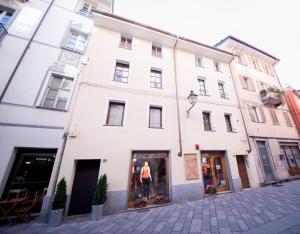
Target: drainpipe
<point>24,52</point>
<point>177,99</point>
<point>240,107</point>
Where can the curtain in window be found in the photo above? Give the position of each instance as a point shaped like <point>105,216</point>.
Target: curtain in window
<point>116,111</point>
<point>155,118</point>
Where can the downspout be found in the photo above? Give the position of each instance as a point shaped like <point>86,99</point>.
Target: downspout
<point>240,107</point>
<point>24,52</point>
<point>177,101</point>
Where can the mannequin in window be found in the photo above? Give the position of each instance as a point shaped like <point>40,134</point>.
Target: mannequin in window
<point>146,179</point>
<point>206,175</point>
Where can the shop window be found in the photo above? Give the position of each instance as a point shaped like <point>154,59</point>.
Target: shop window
<point>115,114</point>
<point>30,174</point>
<point>149,179</point>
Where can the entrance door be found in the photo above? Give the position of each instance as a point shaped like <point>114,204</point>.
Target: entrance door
<point>265,161</point>
<point>85,180</point>
<point>215,171</point>
<point>292,156</point>
<point>243,171</point>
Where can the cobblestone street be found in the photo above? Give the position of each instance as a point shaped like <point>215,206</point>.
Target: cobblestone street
<point>273,209</point>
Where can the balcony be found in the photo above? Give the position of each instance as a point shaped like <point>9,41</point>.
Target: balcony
<point>3,32</point>
<point>271,97</point>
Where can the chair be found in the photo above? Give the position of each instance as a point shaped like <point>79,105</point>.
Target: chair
<point>27,206</point>
<point>17,193</point>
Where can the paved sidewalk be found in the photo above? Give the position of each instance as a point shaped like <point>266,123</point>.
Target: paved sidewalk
<point>264,210</point>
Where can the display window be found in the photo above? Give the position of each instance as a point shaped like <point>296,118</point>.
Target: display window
<point>149,179</point>
<point>291,155</point>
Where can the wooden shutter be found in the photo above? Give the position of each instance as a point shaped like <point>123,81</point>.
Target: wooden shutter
<point>252,84</point>
<point>233,123</point>
<point>262,114</point>
<point>191,166</point>
<point>252,117</point>
<point>243,82</point>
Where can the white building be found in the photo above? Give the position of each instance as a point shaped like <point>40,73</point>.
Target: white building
<point>131,107</point>
<point>42,46</point>
<point>270,127</point>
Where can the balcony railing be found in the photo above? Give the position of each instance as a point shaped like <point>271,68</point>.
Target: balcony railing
<point>271,97</point>
<point>3,32</point>
<point>86,13</point>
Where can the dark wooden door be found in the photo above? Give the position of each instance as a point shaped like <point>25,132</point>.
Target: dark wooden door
<point>84,184</point>
<point>243,171</point>
<point>219,171</point>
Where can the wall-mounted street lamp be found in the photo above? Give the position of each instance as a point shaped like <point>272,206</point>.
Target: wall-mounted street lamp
<point>192,100</point>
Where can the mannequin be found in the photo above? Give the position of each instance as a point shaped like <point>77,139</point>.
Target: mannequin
<point>146,179</point>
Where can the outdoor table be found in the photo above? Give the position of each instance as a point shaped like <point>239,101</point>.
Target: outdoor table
<point>12,203</point>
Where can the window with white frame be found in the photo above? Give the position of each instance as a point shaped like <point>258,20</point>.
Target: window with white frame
<point>156,51</point>
<point>58,92</point>
<point>86,9</point>
<point>202,86</point>
<point>115,113</point>
<point>256,114</point>
<point>199,61</point>
<point>76,42</point>
<point>121,72</point>
<point>126,42</point>
<point>155,117</point>
<point>247,83</point>
<point>222,90</point>
<point>254,64</point>
<point>239,58</point>
<point>208,121</point>
<point>155,79</point>
<point>228,121</point>
<point>287,119</point>
<point>217,66</point>
<point>273,116</point>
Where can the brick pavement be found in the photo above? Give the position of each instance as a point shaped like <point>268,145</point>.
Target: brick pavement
<point>265,210</point>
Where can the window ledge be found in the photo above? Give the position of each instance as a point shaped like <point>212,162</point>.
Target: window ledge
<point>120,81</point>
<point>52,109</point>
<point>110,125</point>
<point>75,51</point>
<point>205,95</point>
<point>155,128</point>
<point>126,48</point>
<point>209,130</point>
<point>232,131</point>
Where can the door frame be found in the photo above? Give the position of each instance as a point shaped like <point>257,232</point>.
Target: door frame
<point>244,159</point>
<point>270,156</point>
<point>168,182</point>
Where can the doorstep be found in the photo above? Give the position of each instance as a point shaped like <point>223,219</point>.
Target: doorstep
<point>147,208</point>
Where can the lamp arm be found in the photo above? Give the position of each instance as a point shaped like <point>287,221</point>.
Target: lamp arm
<point>189,110</point>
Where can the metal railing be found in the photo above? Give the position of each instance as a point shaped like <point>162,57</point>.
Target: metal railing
<point>3,32</point>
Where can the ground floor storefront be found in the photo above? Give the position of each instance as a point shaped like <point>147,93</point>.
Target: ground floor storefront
<point>277,159</point>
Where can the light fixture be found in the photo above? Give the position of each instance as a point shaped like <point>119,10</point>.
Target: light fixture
<point>192,100</point>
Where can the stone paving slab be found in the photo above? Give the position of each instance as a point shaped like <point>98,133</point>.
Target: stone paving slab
<point>264,210</point>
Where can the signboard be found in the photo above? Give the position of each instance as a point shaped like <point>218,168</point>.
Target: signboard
<point>191,166</point>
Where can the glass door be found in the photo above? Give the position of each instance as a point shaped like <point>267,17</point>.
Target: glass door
<point>265,161</point>
<point>292,156</point>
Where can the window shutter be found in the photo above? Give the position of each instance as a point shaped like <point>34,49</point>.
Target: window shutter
<point>272,116</point>
<point>213,121</point>
<point>243,82</point>
<point>262,114</point>
<point>252,117</point>
<point>233,123</point>
<point>252,84</point>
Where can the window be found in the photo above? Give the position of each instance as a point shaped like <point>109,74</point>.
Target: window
<point>121,72</point>
<point>238,58</point>
<point>5,15</point>
<point>247,83</point>
<point>86,9</point>
<point>115,114</point>
<point>156,51</point>
<point>273,116</point>
<point>58,92</point>
<point>217,66</point>
<point>155,117</point>
<point>202,88</point>
<point>156,79</point>
<point>199,61</point>
<point>126,42</point>
<point>287,119</point>
<point>76,42</point>
<point>256,114</point>
<point>254,64</point>
<point>228,122</point>
<point>221,90</point>
<point>206,121</point>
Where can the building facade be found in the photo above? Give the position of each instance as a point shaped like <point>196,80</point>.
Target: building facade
<point>270,127</point>
<point>42,47</point>
<point>131,107</point>
<point>292,98</point>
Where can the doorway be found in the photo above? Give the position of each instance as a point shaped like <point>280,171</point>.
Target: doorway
<point>214,171</point>
<point>84,185</point>
<point>265,161</point>
<point>240,159</point>
<point>138,195</point>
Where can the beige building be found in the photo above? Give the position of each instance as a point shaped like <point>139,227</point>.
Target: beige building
<point>132,107</point>
<point>270,127</point>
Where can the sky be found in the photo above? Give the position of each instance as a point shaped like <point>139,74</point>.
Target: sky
<point>271,25</point>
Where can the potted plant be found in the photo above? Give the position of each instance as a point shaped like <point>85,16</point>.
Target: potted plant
<point>58,205</point>
<point>99,198</point>
<point>211,189</point>
<point>263,92</point>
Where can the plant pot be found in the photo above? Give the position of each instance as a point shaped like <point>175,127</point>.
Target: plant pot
<point>56,217</point>
<point>97,212</point>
